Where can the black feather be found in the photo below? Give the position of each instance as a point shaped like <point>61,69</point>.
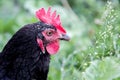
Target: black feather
<point>21,58</point>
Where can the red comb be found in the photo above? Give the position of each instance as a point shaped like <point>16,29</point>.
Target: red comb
<point>49,18</point>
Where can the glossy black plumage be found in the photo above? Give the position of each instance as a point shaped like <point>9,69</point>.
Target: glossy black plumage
<point>21,58</point>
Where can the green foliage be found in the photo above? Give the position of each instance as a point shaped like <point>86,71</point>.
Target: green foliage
<point>105,69</point>
<point>93,25</point>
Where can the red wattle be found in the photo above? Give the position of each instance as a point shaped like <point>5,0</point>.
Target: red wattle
<point>53,47</point>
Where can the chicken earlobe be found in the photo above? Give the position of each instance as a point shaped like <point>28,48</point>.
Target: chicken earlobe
<point>40,43</point>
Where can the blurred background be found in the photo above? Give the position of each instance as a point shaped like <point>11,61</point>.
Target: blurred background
<point>93,52</point>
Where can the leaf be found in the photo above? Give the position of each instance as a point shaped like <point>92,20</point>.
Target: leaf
<point>106,69</point>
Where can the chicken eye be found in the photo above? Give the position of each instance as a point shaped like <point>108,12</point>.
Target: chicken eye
<point>49,33</point>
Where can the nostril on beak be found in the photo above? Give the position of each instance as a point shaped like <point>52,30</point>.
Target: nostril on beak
<point>65,37</point>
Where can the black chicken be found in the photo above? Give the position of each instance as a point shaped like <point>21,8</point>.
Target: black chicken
<point>26,56</point>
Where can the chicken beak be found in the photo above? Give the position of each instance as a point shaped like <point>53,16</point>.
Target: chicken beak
<point>65,37</point>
